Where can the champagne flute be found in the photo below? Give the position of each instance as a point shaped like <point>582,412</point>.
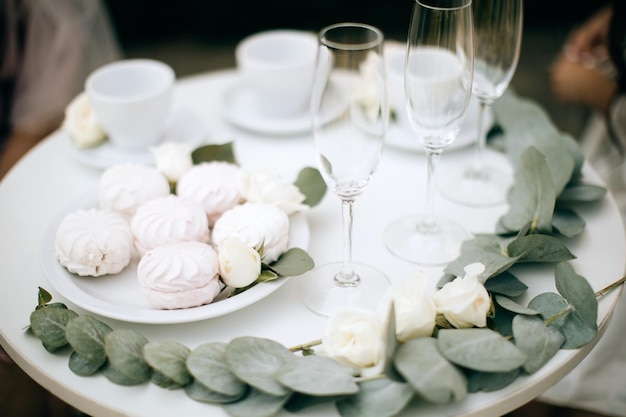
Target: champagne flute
<point>348,148</point>
<point>497,39</point>
<point>438,76</point>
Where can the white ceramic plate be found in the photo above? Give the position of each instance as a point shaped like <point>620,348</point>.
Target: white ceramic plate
<point>184,126</point>
<point>239,107</point>
<point>401,137</point>
<point>119,296</point>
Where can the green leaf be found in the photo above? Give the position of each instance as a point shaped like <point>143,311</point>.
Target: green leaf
<point>506,284</point>
<point>502,322</point>
<point>256,360</point>
<point>490,381</point>
<point>480,349</point>
<point>312,185</point>
<point>43,297</point>
<point>567,222</point>
<point>84,367</point>
<point>579,192</point>
<point>429,373</point>
<point>486,249</point>
<point>207,364</point>
<point>539,248</point>
<point>577,291</point>
<point>199,392</point>
<point>532,197</point>
<point>48,324</point>
<point>214,152</point>
<point>256,403</point>
<point>317,375</point>
<point>168,359</point>
<point>377,398</point>
<point>86,336</point>
<point>514,307</point>
<point>266,275</point>
<point>551,306</point>
<point>537,340</point>
<point>124,349</point>
<point>292,263</point>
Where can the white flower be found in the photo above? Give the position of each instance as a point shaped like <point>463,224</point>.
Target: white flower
<point>464,302</point>
<point>267,187</point>
<point>354,337</point>
<point>240,265</point>
<point>173,159</point>
<point>414,308</point>
<point>81,124</point>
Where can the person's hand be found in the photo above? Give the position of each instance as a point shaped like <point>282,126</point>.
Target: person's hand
<point>588,43</point>
<point>572,82</point>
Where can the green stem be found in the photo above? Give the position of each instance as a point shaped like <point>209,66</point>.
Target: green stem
<point>568,310</point>
<point>368,378</point>
<point>305,346</point>
<point>610,288</point>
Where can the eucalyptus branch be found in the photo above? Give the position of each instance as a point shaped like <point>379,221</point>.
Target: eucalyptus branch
<point>610,287</point>
<point>306,346</point>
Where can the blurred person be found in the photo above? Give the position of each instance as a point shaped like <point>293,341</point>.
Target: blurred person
<point>591,72</point>
<point>47,49</point>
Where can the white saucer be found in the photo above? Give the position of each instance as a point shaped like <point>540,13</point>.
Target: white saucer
<point>184,126</point>
<point>400,136</point>
<point>239,107</point>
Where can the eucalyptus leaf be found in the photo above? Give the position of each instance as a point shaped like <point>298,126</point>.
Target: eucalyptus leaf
<point>292,263</point>
<point>558,313</point>
<point>298,402</point>
<point>163,381</point>
<point>86,336</point>
<point>318,376</point>
<point>43,297</point>
<point>577,291</point>
<point>537,340</point>
<point>532,198</point>
<point>579,192</point>
<point>506,284</point>
<point>539,248</point>
<point>312,185</point>
<point>199,392</point>
<point>84,367</point>
<point>502,321</point>
<point>266,275</point>
<point>514,307</point>
<point>256,360</point>
<point>169,359</point>
<point>124,349</point>
<point>567,222</point>
<point>48,324</point>
<point>207,364</point>
<point>256,403</point>
<point>490,381</point>
<point>377,398</point>
<point>117,377</point>
<point>430,374</point>
<point>480,349</point>
<point>486,249</point>
<point>214,152</point>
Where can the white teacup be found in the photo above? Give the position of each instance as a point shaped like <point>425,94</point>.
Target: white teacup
<point>277,66</point>
<point>132,100</point>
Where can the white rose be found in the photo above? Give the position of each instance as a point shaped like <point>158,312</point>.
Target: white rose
<point>81,124</point>
<point>414,308</point>
<point>270,188</point>
<point>173,159</point>
<point>354,337</point>
<point>239,264</point>
<point>464,302</point>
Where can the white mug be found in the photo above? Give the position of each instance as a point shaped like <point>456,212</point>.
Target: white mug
<point>132,100</point>
<point>277,66</point>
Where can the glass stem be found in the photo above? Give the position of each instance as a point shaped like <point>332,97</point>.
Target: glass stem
<point>428,225</point>
<point>477,170</point>
<point>347,277</point>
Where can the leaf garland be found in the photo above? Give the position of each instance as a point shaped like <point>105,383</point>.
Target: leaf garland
<point>251,376</point>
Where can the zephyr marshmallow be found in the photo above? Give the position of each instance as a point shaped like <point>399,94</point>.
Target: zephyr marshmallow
<point>125,187</point>
<point>256,224</point>
<point>179,275</point>
<point>212,184</point>
<point>166,220</point>
<point>94,242</point>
